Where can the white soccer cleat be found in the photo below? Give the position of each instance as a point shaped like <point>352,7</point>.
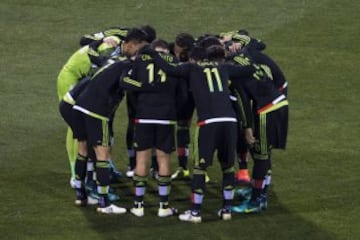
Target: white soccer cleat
<point>181,174</point>
<point>224,214</point>
<point>137,211</point>
<point>111,209</point>
<point>130,173</point>
<point>92,201</point>
<point>167,212</point>
<point>187,216</point>
<point>84,202</point>
<point>72,183</point>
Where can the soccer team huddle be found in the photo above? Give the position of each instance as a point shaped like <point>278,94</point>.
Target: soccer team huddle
<point>239,96</point>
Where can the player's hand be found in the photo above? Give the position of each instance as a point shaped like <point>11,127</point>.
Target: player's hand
<point>249,136</point>
<point>111,41</point>
<point>235,47</point>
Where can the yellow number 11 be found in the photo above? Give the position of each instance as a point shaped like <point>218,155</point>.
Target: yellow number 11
<point>209,76</point>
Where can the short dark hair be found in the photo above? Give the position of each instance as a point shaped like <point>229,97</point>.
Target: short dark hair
<point>160,43</point>
<point>137,35</point>
<point>243,32</point>
<point>150,32</point>
<point>215,52</point>
<point>185,41</point>
<point>209,41</point>
<point>197,53</point>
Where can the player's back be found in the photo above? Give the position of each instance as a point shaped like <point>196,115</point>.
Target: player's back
<point>103,93</point>
<point>157,104</point>
<point>209,86</point>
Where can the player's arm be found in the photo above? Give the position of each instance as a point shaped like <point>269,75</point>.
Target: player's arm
<point>173,69</point>
<point>244,104</point>
<point>94,55</point>
<point>89,38</point>
<point>240,72</point>
<point>120,32</point>
<point>128,81</point>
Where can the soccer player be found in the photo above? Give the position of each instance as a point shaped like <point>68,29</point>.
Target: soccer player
<point>154,127</point>
<point>97,103</point>
<point>130,106</point>
<point>242,176</point>
<point>216,123</point>
<point>78,66</point>
<point>183,44</point>
<point>267,121</point>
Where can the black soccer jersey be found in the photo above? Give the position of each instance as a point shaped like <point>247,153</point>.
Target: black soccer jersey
<point>103,93</point>
<point>209,86</point>
<point>259,87</point>
<point>153,102</point>
<point>71,96</point>
<point>278,76</point>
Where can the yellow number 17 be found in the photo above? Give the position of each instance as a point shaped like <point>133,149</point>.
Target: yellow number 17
<point>161,73</point>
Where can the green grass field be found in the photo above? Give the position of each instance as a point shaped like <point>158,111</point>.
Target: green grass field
<point>315,194</point>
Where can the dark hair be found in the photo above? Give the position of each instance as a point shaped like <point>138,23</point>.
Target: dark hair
<point>150,32</point>
<point>160,43</point>
<point>185,41</point>
<point>243,32</point>
<point>215,52</point>
<point>209,41</point>
<point>137,35</point>
<point>197,53</point>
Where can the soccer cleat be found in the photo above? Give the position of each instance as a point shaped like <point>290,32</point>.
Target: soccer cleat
<point>254,206</point>
<point>72,182</point>
<point>263,202</point>
<point>139,212</point>
<point>225,213</point>
<point>207,178</point>
<point>113,197</point>
<point>190,216</point>
<point>129,172</point>
<point>181,173</point>
<point>242,176</point>
<point>81,202</point>
<point>87,201</point>
<point>243,193</point>
<point>81,197</point>
<point>166,212</point>
<point>115,174</point>
<point>138,209</point>
<point>92,201</point>
<point>111,209</point>
<point>154,174</point>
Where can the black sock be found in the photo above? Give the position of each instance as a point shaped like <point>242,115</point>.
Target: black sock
<point>103,181</point>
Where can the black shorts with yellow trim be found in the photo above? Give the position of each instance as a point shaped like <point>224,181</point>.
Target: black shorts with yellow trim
<point>220,136</point>
<point>74,119</point>
<point>270,131</point>
<point>97,131</point>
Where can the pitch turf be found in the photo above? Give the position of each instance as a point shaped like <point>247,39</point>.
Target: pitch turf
<point>315,194</point>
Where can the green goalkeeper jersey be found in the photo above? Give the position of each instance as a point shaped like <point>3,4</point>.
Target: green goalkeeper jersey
<point>77,67</point>
<point>81,64</point>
